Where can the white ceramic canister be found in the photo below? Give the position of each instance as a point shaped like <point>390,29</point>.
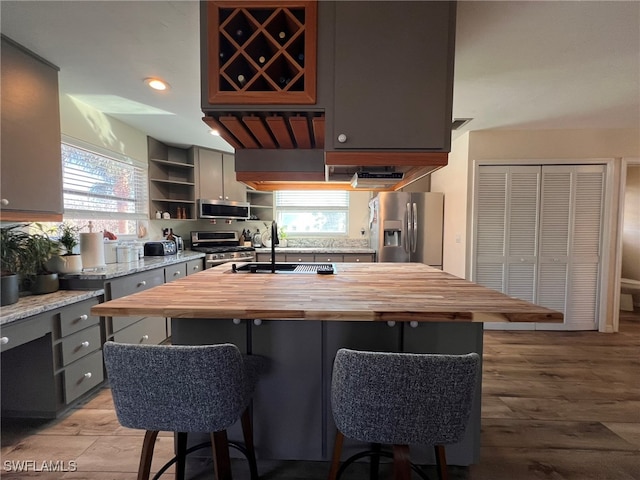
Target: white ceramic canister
<point>92,250</point>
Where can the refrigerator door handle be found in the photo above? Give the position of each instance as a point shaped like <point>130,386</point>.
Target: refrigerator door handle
<point>414,233</point>
<point>407,236</point>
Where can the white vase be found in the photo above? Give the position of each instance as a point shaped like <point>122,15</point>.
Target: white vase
<point>65,264</point>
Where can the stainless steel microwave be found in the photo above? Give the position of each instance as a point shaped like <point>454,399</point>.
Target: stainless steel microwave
<point>223,209</point>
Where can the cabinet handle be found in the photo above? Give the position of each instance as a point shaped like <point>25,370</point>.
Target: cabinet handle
<point>237,321</point>
<point>142,283</point>
<point>357,260</point>
<point>342,138</point>
<point>299,259</point>
<point>391,323</point>
<point>413,324</point>
<point>257,321</point>
<point>5,202</point>
<point>83,317</point>
<point>219,197</point>
<point>4,340</point>
<point>145,338</point>
<point>85,344</point>
<point>226,198</point>
<point>88,375</point>
<point>175,274</point>
<point>196,267</point>
<point>522,259</point>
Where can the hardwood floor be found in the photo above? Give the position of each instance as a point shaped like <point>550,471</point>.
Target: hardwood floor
<point>556,405</point>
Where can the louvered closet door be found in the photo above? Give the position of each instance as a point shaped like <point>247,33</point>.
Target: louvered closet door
<point>506,229</point>
<point>570,239</point>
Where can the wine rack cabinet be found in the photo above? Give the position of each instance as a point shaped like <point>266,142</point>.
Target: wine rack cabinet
<point>261,52</point>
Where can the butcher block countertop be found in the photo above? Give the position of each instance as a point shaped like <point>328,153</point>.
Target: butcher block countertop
<point>363,292</point>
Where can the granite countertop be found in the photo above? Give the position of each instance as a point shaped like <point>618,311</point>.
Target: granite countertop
<point>322,250</point>
<point>113,270</point>
<point>30,305</point>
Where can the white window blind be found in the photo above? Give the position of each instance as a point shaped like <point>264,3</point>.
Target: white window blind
<point>101,186</point>
<point>313,212</point>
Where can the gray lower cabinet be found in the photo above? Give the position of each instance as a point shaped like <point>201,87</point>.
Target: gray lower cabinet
<point>138,330</point>
<point>317,257</point>
<point>50,360</point>
<point>292,414</point>
<point>290,390</point>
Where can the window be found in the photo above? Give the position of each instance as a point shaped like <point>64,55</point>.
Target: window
<point>313,212</point>
<point>105,187</point>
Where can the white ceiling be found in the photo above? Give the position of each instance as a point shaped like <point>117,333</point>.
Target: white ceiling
<point>519,65</point>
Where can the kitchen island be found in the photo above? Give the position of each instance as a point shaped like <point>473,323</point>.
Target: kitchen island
<point>300,320</point>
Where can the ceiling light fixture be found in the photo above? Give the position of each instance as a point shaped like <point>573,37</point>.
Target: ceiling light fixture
<point>156,83</point>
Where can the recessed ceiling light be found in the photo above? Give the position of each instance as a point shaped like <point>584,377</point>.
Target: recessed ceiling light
<point>156,83</point>
<point>214,132</point>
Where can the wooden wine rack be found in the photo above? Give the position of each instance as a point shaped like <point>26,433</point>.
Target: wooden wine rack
<point>261,52</point>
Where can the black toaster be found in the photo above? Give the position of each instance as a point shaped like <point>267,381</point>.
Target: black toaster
<point>159,249</point>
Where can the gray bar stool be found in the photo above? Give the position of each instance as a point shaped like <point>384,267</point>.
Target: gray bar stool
<point>184,389</point>
<point>400,399</point>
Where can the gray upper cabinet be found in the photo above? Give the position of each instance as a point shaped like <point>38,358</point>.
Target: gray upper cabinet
<point>31,162</point>
<point>217,176</point>
<point>393,77</point>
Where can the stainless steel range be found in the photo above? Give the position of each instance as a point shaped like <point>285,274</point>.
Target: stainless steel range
<point>221,247</point>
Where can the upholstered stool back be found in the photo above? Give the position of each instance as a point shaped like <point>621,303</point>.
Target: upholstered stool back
<point>403,398</point>
<point>183,389</point>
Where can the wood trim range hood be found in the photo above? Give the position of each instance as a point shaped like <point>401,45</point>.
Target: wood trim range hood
<point>285,150</point>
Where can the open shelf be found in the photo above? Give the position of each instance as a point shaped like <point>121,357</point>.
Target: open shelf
<point>262,52</point>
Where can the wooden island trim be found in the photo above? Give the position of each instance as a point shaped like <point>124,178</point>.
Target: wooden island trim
<point>357,292</point>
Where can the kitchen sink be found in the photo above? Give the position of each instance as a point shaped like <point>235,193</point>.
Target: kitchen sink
<point>266,267</point>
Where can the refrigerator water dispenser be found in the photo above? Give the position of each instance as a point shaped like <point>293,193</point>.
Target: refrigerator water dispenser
<point>392,238</point>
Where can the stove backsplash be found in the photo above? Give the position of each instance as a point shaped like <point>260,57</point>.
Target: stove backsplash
<point>327,242</point>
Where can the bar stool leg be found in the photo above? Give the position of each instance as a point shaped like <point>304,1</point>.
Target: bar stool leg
<point>247,433</point>
<point>181,455</point>
<point>441,461</point>
<point>337,452</point>
<point>374,465</point>
<point>148,444</point>
<point>221,459</point>
<point>401,464</point>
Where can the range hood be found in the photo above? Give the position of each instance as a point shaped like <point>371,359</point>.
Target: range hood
<point>376,180</point>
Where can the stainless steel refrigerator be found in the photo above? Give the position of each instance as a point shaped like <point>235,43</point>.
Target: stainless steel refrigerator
<point>407,227</point>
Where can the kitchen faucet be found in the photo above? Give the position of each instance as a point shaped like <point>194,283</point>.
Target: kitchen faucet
<point>274,241</point>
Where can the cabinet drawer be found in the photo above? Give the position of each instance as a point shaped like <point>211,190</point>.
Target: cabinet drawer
<point>80,344</point>
<point>24,331</point>
<point>76,317</point>
<point>149,330</point>
<point>195,266</point>
<point>83,375</point>
<point>298,257</point>
<point>137,282</point>
<point>358,258</point>
<point>118,323</point>
<point>328,257</point>
<point>173,272</point>
<point>266,257</point>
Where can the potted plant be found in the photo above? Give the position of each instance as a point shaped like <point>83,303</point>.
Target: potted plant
<point>12,249</point>
<point>39,248</point>
<point>68,261</point>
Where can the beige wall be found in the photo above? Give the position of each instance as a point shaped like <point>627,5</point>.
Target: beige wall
<point>452,180</point>
<point>80,121</point>
<point>631,227</point>
<point>551,144</point>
